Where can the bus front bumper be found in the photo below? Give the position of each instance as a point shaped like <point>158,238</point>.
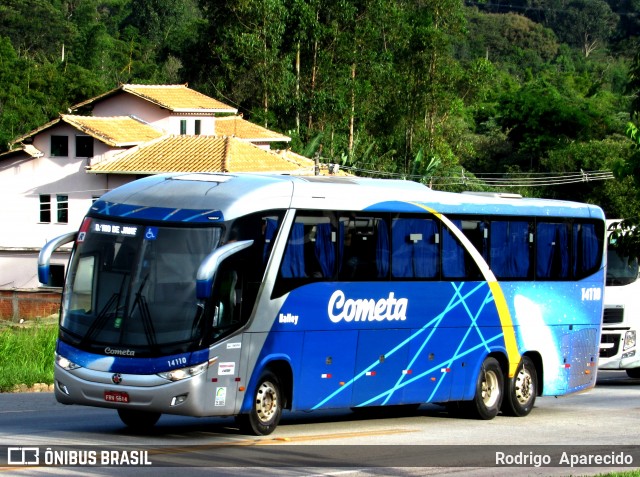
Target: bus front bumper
<point>142,393</point>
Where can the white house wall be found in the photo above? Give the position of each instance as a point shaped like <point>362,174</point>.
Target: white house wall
<point>125,104</point>
<point>22,182</point>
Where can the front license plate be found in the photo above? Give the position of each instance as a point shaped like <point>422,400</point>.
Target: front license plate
<point>116,396</point>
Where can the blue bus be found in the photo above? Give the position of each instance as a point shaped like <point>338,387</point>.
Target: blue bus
<point>245,295</point>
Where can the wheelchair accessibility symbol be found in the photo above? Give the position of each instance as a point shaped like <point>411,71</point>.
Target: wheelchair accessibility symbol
<point>151,233</point>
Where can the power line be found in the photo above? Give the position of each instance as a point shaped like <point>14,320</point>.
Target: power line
<point>517,179</point>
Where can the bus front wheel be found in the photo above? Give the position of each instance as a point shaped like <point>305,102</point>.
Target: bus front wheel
<point>522,390</point>
<point>266,407</point>
<point>489,391</point>
<point>138,420</point>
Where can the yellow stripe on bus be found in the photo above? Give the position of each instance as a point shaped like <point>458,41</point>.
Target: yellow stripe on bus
<point>507,327</point>
<point>513,354</point>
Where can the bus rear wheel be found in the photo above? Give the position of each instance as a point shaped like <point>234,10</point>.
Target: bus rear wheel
<point>521,390</point>
<point>266,407</point>
<point>489,391</point>
<point>138,420</point>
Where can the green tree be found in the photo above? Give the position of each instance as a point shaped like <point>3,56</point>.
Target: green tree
<point>245,54</point>
<point>429,96</point>
<point>511,40</point>
<point>628,231</point>
<point>23,22</point>
<point>586,24</point>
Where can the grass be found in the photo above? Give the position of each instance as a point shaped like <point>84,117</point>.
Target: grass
<point>26,354</point>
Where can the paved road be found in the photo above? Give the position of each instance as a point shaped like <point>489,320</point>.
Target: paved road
<point>605,421</point>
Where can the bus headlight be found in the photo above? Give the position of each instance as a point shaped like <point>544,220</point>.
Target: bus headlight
<point>629,340</point>
<point>182,373</point>
<point>64,363</point>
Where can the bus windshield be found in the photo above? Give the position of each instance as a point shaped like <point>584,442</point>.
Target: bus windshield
<point>620,269</point>
<point>132,287</point>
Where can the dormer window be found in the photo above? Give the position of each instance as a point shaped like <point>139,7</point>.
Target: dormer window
<point>59,146</point>
<point>183,126</point>
<point>197,127</point>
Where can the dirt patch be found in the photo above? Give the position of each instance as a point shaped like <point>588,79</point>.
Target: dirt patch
<point>36,388</point>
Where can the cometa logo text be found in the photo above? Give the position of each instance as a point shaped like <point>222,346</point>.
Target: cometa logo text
<point>348,309</point>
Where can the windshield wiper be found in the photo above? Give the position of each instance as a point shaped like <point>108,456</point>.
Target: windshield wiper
<point>147,321</point>
<point>101,319</point>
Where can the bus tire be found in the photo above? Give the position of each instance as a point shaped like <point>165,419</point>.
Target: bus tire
<point>138,420</point>
<point>521,390</point>
<point>489,391</point>
<point>266,407</point>
<point>633,373</point>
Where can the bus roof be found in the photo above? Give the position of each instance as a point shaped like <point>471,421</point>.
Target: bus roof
<point>210,197</point>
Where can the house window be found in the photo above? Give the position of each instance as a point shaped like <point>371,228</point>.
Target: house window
<point>84,146</point>
<point>197,127</point>
<point>63,209</point>
<point>183,126</point>
<point>59,146</point>
<point>45,208</point>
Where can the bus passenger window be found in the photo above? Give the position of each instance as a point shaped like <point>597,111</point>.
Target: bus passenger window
<point>587,249</point>
<point>415,248</point>
<point>293,259</point>
<point>510,252</point>
<point>552,251</point>
<point>364,248</point>
<point>310,253</point>
<point>454,257</point>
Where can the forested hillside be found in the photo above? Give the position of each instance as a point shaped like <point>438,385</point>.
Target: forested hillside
<point>520,95</point>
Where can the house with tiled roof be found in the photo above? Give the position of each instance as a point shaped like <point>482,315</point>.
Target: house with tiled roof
<point>51,175</point>
<point>236,126</point>
<point>186,153</point>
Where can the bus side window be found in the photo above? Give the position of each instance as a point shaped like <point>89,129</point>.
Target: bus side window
<point>552,250</point>
<point>510,255</point>
<point>234,293</point>
<point>587,249</point>
<point>269,229</point>
<point>310,253</point>
<point>293,259</point>
<point>415,246</point>
<point>364,248</point>
<point>455,261</point>
<point>225,313</point>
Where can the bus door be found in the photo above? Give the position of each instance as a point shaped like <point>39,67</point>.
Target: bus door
<point>223,397</point>
<point>228,283</point>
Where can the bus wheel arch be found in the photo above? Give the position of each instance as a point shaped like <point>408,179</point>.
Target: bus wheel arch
<point>270,396</point>
<point>521,390</point>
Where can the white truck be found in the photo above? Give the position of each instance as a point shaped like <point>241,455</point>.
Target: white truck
<point>621,319</point>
